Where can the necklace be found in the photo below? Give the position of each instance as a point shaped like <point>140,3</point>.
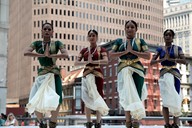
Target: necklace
<point>169,52</point>
<point>92,52</point>
<point>132,43</point>
<point>44,46</point>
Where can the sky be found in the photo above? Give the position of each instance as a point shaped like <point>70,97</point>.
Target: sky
<point>164,4</point>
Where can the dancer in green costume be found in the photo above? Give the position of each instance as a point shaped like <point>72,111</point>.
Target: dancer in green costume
<point>47,53</point>
<point>131,87</point>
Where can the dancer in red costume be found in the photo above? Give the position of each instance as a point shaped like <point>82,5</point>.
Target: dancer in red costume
<point>92,82</point>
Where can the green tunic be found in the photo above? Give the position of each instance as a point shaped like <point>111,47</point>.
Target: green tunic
<point>48,65</point>
<point>137,45</point>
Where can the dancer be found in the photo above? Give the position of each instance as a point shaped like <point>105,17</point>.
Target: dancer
<point>131,88</point>
<point>92,82</point>
<point>46,93</point>
<point>169,82</point>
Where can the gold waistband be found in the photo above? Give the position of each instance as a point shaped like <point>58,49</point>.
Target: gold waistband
<point>92,67</point>
<point>49,67</point>
<point>169,67</point>
<point>129,62</point>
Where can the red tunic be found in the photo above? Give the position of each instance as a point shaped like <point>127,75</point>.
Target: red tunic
<point>97,54</point>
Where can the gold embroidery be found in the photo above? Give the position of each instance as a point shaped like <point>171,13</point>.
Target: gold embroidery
<point>145,48</point>
<point>169,67</point>
<point>132,63</point>
<point>138,43</point>
<point>114,47</point>
<point>129,62</point>
<point>91,70</point>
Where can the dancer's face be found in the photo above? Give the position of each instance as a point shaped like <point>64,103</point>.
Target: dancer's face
<point>130,30</point>
<point>168,37</point>
<point>47,31</point>
<point>92,38</point>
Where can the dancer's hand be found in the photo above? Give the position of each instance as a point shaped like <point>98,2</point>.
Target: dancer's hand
<point>47,54</point>
<point>167,57</point>
<point>90,60</point>
<point>129,47</point>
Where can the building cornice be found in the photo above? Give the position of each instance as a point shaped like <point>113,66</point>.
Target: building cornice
<point>179,9</point>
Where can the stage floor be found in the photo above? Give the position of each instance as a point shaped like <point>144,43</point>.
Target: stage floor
<point>103,126</point>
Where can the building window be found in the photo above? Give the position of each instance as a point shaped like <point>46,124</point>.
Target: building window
<point>68,47</point>
<point>72,13</point>
<point>64,36</point>
<point>117,102</point>
<point>110,103</point>
<point>38,36</point>
<point>60,2</point>
<point>33,79</point>
<point>110,71</point>
<point>72,2</point>
<point>42,11</point>
<point>105,88</point>
<point>60,12</point>
<point>155,104</point>
<point>38,12</point>
<point>116,86</point>
<point>64,24</point>
<point>60,24</point>
<point>34,12</point>
<point>34,24</point>
<point>110,87</point>
<point>34,36</point>
<point>72,37</point>
<point>56,35</point>
<point>104,72</point>
<point>46,11</point>
<point>146,104</point>
<point>60,36</point>
<point>56,23</point>
<point>64,2</point>
<point>68,24</point>
<point>56,11</point>
<point>187,67</point>
<point>72,25</point>
<point>52,11</point>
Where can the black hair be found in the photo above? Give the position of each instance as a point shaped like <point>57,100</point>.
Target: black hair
<point>48,24</point>
<point>92,30</point>
<point>172,32</point>
<point>132,21</point>
<point>3,116</point>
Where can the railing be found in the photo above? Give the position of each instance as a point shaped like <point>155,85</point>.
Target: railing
<point>109,120</point>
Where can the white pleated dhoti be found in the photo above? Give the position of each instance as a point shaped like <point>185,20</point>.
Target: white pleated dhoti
<point>43,97</point>
<point>171,99</point>
<point>91,96</point>
<point>128,96</point>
